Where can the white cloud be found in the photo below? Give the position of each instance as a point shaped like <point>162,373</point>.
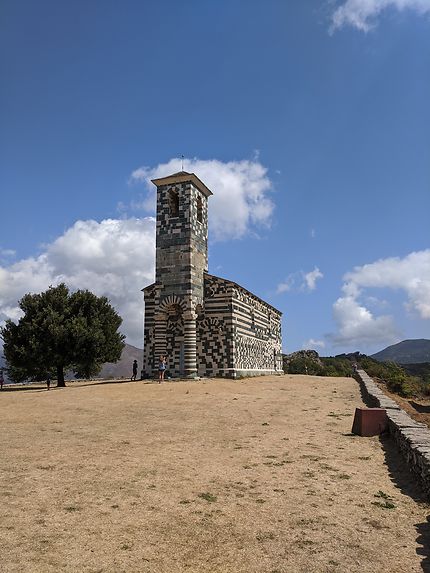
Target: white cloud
<point>286,285</point>
<point>312,277</point>
<point>312,233</point>
<point>7,252</point>
<point>240,200</point>
<point>410,274</point>
<point>363,14</point>
<point>359,328</point>
<point>300,281</point>
<point>313,344</point>
<point>356,323</point>
<point>114,258</point>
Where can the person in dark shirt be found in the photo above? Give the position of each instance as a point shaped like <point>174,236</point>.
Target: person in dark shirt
<point>134,370</point>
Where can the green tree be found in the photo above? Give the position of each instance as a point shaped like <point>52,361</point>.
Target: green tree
<point>60,330</point>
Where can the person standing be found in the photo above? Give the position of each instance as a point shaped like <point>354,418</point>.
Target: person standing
<point>161,369</point>
<point>134,370</point>
<point>48,382</point>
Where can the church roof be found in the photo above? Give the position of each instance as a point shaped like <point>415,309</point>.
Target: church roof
<point>232,283</point>
<point>183,177</point>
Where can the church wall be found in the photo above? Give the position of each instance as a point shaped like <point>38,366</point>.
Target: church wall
<point>257,334</point>
<point>215,329</point>
<point>237,333</point>
<point>148,332</point>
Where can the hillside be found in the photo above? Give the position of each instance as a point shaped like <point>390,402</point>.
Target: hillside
<point>406,352</point>
<point>123,368</point>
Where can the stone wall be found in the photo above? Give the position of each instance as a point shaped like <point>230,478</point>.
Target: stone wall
<point>412,438</point>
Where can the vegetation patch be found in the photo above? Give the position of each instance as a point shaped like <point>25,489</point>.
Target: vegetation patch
<point>208,497</point>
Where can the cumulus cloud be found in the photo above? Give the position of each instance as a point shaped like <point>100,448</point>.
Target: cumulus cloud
<point>358,327</point>
<point>113,258</point>
<point>356,323</point>
<point>363,14</point>
<point>300,281</point>
<point>240,201</point>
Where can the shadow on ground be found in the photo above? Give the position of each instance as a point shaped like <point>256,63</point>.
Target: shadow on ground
<point>421,408</point>
<point>407,482</point>
<point>69,384</point>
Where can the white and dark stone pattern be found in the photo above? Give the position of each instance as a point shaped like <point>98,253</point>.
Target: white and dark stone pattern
<point>206,325</point>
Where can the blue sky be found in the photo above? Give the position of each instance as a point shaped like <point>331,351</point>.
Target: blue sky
<point>308,120</point>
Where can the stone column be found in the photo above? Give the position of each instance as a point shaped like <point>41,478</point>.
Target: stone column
<point>190,344</point>
<point>160,327</point>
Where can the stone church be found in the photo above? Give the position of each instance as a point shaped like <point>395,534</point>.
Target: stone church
<point>205,325</point>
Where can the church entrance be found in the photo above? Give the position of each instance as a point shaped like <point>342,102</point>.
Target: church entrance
<point>175,341</point>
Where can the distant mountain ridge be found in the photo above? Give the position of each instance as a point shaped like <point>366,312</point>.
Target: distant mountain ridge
<point>406,352</point>
<point>124,367</point>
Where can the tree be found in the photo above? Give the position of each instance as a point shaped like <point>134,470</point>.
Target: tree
<point>60,330</point>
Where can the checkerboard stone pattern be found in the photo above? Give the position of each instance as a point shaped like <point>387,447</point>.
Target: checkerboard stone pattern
<point>205,325</point>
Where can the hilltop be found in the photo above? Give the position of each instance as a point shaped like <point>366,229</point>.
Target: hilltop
<point>245,476</point>
<point>406,352</point>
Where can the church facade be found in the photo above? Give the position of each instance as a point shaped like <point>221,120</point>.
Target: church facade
<point>205,325</point>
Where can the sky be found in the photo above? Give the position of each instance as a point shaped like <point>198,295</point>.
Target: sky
<point>309,121</point>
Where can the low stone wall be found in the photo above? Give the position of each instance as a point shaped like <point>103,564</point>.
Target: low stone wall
<point>413,438</point>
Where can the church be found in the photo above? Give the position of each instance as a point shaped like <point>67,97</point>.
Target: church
<point>205,325</point>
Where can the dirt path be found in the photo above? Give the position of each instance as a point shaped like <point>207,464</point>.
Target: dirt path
<point>256,476</point>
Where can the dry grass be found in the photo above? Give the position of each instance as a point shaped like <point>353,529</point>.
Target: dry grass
<point>215,476</point>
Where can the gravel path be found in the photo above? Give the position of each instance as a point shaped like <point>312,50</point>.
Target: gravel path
<point>217,476</point>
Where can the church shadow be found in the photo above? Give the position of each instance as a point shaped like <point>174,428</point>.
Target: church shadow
<point>406,481</point>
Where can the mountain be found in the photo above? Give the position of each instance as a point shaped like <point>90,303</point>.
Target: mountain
<point>3,365</point>
<point>406,352</point>
<point>123,368</point>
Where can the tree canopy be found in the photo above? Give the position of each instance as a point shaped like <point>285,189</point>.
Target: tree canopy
<point>62,331</point>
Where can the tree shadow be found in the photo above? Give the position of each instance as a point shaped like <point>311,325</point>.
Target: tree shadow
<point>69,384</point>
<point>26,388</point>
<point>105,382</point>
<point>405,480</point>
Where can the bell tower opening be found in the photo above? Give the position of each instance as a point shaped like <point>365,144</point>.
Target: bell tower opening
<point>199,210</point>
<point>174,203</point>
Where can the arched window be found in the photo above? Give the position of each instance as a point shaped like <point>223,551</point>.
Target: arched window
<point>174,203</point>
<point>199,210</point>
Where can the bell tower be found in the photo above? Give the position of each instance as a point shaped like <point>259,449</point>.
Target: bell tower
<point>181,257</point>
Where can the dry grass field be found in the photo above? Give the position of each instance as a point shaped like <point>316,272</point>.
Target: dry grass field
<point>253,476</point>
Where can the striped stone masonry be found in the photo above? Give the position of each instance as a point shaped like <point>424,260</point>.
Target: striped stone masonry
<point>206,325</point>
<point>412,438</point>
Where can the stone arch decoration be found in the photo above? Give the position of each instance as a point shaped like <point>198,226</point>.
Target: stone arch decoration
<point>172,301</point>
<point>210,325</point>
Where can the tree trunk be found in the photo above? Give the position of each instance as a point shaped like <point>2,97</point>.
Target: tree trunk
<point>60,377</point>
